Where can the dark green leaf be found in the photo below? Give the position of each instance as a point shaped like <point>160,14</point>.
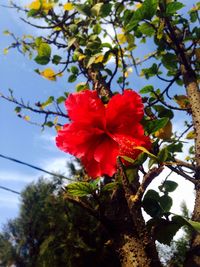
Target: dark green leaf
<point>154,125</point>
<point>164,231</point>
<point>146,11</point>
<point>74,70</point>
<point>42,60</point>
<point>163,112</point>
<point>49,124</point>
<point>166,202</point>
<point>56,59</point>
<point>169,60</point>
<point>17,109</point>
<point>152,207</point>
<point>72,78</point>
<point>169,186</point>
<point>83,9</point>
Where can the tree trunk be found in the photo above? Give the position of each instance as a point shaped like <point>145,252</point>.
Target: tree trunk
<point>190,81</point>
<point>130,238</point>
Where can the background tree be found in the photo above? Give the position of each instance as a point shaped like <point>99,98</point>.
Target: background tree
<point>86,37</point>
<point>51,231</point>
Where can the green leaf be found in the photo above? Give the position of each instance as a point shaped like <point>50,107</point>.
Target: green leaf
<point>172,7</point>
<point>42,60</point>
<point>169,186</point>
<point>74,70</point>
<point>72,78</point>
<point>110,186</point>
<point>130,160</point>
<point>152,207</point>
<point>146,11</point>
<point>166,202</point>
<point>154,125</point>
<point>80,189</point>
<point>164,230</point>
<point>49,124</point>
<point>163,155</point>
<point>169,60</point>
<point>56,59</point>
<point>146,29</point>
<point>146,89</point>
<point>71,41</point>
<point>18,109</point>
<point>97,29</point>
<point>96,9</point>
<point>60,99</point>
<point>175,147</point>
<point>163,112</point>
<point>83,9</point>
<point>32,13</point>
<point>195,225</point>
<point>44,53</point>
<point>105,10</point>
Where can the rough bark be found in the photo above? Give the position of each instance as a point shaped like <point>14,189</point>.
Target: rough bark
<point>190,81</point>
<point>130,237</point>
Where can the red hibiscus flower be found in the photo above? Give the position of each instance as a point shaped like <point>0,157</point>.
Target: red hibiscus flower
<point>99,133</point>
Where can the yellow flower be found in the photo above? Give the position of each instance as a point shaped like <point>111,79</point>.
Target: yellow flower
<point>49,74</point>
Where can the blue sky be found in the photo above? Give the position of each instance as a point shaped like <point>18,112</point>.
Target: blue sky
<point>27,142</point>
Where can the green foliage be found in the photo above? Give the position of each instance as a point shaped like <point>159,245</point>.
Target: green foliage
<point>50,231</point>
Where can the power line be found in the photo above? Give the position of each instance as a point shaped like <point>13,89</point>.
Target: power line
<point>10,190</point>
<point>35,167</point>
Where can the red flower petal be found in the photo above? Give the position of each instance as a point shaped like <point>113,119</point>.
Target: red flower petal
<point>106,154</point>
<point>77,139</point>
<point>86,107</point>
<point>123,111</point>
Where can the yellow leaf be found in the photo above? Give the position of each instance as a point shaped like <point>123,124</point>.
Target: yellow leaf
<point>57,29</point>
<point>49,74</point>
<point>6,32</point>
<point>41,4</point>
<point>5,51</point>
<point>165,133</point>
<point>35,5</point>
<point>27,118</point>
<point>81,57</point>
<point>182,101</point>
<point>99,59</point>
<point>55,121</point>
<point>191,135</point>
<point>121,38</point>
<point>129,70</point>
<point>58,128</point>
<point>137,5</point>
<point>68,6</point>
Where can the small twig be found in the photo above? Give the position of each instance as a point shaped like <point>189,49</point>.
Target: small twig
<point>184,175</point>
<point>148,178</point>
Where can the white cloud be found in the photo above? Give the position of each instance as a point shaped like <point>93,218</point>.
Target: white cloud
<point>16,176</point>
